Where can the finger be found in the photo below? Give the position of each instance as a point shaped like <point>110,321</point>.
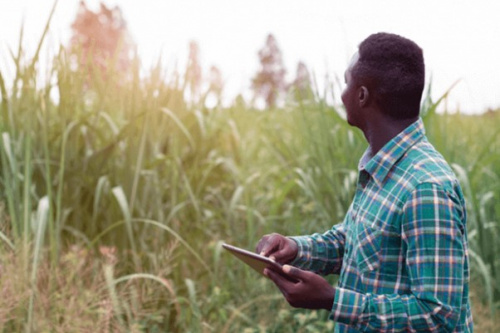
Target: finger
<point>295,273</point>
<point>261,243</point>
<point>280,281</point>
<point>265,251</point>
<point>258,249</point>
<point>281,256</point>
<point>269,246</point>
<point>283,274</point>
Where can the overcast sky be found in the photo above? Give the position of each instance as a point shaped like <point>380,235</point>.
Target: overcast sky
<point>461,39</point>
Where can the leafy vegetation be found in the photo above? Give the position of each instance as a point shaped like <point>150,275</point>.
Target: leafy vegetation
<point>115,200</point>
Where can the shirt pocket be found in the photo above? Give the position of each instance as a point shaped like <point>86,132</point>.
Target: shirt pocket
<point>368,241</point>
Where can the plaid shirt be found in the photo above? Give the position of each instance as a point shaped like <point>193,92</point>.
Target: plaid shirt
<point>401,250</point>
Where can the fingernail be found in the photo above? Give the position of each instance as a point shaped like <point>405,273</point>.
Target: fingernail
<point>272,258</point>
<point>287,268</point>
<point>262,253</point>
<point>265,272</point>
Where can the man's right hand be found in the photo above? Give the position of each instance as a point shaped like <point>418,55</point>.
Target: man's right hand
<point>278,247</point>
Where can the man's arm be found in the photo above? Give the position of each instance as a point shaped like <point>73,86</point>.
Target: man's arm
<point>321,253</point>
<point>318,253</point>
<point>433,236</point>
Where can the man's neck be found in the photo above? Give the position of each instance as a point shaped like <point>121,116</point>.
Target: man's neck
<point>382,129</point>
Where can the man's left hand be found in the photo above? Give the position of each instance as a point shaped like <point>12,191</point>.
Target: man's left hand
<point>310,291</point>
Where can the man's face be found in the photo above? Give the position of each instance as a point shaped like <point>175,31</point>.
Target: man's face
<point>349,95</point>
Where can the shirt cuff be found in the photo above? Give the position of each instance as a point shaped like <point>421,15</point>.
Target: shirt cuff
<point>348,307</point>
<point>303,253</point>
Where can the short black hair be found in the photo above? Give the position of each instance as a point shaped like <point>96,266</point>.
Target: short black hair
<point>392,67</point>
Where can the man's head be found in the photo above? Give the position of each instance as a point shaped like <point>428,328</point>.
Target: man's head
<point>391,70</point>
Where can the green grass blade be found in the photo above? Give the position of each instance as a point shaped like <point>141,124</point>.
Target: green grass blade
<point>179,124</point>
<point>40,224</point>
<point>44,34</point>
<point>7,240</point>
<point>160,226</point>
<point>10,178</point>
<point>122,202</point>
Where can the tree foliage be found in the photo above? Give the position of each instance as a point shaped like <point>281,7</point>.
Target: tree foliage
<point>193,76</point>
<point>269,82</point>
<point>301,87</point>
<point>215,87</point>
<point>101,39</point>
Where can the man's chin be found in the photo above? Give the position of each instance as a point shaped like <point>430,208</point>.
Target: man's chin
<point>350,122</point>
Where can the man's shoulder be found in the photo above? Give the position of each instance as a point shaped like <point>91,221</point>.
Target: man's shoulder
<point>422,163</point>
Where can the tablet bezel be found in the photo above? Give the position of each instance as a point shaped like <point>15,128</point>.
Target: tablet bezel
<point>256,262</point>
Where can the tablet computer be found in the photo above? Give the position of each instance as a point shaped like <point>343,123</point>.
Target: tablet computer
<point>256,261</point>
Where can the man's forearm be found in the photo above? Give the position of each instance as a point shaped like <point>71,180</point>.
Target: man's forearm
<point>321,253</point>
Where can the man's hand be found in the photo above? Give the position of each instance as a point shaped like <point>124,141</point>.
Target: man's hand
<point>311,291</point>
<point>278,247</point>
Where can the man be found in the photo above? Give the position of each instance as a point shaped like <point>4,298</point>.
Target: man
<point>401,250</point>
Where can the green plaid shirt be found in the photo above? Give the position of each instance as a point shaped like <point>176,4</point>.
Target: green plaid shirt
<point>401,250</point>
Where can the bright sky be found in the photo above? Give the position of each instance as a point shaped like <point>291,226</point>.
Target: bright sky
<point>461,39</point>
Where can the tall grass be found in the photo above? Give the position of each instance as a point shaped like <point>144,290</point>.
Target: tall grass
<point>115,200</point>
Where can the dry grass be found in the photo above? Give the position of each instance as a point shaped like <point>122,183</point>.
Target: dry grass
<point>481,312</point>
<point>74,296</point>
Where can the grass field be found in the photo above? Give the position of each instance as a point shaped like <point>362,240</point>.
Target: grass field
<point>114,202</point>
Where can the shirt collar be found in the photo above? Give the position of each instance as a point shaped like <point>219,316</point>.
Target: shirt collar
<point>378,166</point>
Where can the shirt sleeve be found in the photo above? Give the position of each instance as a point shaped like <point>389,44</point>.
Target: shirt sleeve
<point>433,238</point>
<point>321,253</point>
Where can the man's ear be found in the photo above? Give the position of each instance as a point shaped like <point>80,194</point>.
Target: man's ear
<point>364,96</point>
